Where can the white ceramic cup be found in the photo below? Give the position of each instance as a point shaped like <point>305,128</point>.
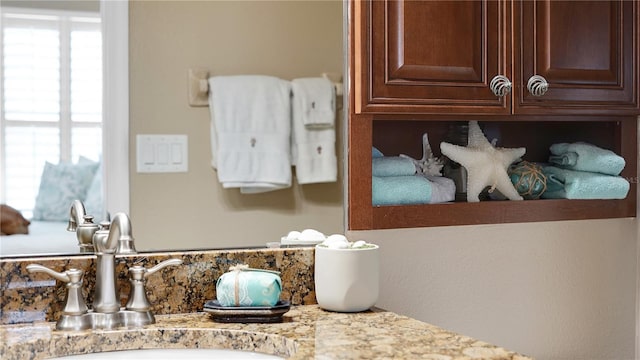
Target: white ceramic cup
<point>346,280</point>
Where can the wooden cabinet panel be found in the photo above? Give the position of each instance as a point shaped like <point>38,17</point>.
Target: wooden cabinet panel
<point>584,49</point>
<point>431,56</point>
<point>439,57</point>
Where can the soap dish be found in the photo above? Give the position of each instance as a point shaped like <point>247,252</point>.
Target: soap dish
<point>285,241</point>
<point>246,314</point>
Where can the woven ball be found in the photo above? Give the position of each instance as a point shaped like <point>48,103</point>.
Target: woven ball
<point>528,179</point>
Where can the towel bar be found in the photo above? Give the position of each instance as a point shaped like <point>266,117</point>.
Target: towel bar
<point>199,87</point>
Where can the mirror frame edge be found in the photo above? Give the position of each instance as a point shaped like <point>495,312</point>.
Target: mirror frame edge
<point>115,135</point>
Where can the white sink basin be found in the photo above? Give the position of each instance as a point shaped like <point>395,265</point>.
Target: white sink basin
<point>160,354</point>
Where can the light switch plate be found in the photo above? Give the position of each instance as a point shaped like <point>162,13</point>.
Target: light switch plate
<point>162,153</point>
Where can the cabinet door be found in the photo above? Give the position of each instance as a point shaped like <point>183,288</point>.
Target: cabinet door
<point>584,49</point>
<point>430,56</point>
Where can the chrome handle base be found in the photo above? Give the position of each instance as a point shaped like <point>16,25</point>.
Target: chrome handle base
<point>138,297</point>
<point>75,305</point>
<point>107,321</point>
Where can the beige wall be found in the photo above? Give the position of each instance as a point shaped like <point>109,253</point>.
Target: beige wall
<point>553,290</point>
<point>288,39</point>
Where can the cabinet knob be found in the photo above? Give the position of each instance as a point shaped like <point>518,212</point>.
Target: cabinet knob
<point>537,85</point>
<point>500,85</point>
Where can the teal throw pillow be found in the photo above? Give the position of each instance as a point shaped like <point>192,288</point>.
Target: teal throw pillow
<point>59,185</point>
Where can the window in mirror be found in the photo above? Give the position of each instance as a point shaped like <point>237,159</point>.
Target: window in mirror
<point>51,103</point>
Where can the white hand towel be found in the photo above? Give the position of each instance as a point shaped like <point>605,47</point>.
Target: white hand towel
<point>312,148</point>
<point>250,132</point>
<point>316,99</point>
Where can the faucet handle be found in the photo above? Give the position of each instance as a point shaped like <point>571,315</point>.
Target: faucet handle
<point>162,265</point>
<point>139,272</point>
<point>85,231</point>
<point>138,298</point>
<point>75,304</point>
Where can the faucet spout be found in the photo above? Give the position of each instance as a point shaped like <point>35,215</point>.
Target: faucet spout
<point>76,215</point>
<point>105,242</point>
<point>119,231</point>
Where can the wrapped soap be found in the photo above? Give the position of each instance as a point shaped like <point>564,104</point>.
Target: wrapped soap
<point>244,286</point>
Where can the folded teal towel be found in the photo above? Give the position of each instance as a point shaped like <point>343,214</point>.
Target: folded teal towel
<point>400,190</point>
<point>586,157</point>
<point>375,153</point>
<point>569,184</point>
<point>392,166</point>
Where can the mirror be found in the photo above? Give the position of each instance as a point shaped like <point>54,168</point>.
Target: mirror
<point>191,210</point>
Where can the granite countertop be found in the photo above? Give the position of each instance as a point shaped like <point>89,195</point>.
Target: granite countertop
<point>306,332</point>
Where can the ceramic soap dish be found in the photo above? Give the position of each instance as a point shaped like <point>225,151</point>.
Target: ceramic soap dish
<point>285,241</point>
<point>246,314</point>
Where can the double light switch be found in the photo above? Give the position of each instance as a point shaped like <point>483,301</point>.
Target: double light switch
<point>162,153</point>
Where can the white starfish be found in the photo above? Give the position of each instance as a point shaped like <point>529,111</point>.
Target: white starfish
<point>486,165</point>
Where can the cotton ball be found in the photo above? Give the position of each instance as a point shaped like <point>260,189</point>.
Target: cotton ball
<point>336,238</point>
<point>311,235</point>
<point>337,245</point>
<point>336,241</point>
<point>293,235</point>
<point>359,244</point>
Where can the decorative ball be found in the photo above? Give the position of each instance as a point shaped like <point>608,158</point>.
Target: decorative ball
<point>528,179</point>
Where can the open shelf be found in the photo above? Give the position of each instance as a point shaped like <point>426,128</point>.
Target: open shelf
<point>394,135</point>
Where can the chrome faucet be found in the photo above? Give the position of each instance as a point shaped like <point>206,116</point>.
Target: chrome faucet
<point>85,228</point>
<point>83,225</point>
<point>105,242</point>
<point>107,312</point>
<point>76,214</point>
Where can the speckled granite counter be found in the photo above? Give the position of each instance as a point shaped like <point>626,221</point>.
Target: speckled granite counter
<point>307,332</point>
<point>30,303</point>
<point>178,289</point>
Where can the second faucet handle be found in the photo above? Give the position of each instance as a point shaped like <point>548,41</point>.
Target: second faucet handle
<point>75,304</point>
<point>138,298</point>
<point>85,231</point>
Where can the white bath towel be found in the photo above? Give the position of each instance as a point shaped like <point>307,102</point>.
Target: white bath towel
<point>250,132</point>
<point>316,99</point>
<point>312,148</point>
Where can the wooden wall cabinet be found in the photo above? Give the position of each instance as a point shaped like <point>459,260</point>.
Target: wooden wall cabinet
<point>419,66</point>
<point>441,56</point>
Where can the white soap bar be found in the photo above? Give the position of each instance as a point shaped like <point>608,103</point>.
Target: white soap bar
<point>311,235</point>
